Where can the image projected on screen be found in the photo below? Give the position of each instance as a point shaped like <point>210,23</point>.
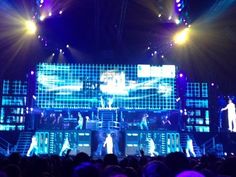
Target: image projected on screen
<point>106,86</point>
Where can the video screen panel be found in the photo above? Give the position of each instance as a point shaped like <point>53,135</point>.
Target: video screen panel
<point>106,86</point>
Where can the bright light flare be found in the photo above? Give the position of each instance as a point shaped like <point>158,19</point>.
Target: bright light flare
<point>182,36</point>
<point>30,27</point>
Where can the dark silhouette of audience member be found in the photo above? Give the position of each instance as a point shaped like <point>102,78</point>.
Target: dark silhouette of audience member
<point>190,173</point>
<point>3,174</point>
<point>13,170</point>
<point>113,171</point>
<point>81,157</point>
<point>110,159</point>
<point>155,169</point>
<point>85,169</point>
<point>177,162</point>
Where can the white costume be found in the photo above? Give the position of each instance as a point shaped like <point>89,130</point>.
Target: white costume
<point>189,147</point>
<point>33,147</point>
<point>109,143</point>
<point>231,116</point>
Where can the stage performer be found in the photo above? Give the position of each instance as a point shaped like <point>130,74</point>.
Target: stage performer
<point>109,143</point>
<point>144,122</point>
<point>33,147</point>
<point>231,115</point>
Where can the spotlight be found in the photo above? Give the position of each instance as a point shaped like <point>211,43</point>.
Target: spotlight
<point>53,54</point>
<point>30,27</point>
<point>181,75</point>
<point>32,72</point>
<point>162,56</point>
<point>159,15</point>
<point>155,52</point>
<point>42,17</point>
<point>60,50</point>
<point>67,46</point>
<point>177,21</point>
<point>178,5</point>
<point>60,12</point>
<point>177,1</point>
<point>170,17</point>
<point>50,14</point>
<point>182,36</point>
<point>149,48</point>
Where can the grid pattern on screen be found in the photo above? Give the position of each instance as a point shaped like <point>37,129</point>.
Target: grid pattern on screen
<point>13,103</point>
<point>106,85</point>
<point>197,104</point>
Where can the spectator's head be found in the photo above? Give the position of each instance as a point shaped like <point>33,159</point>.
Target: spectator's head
<point>2,174</point>
<point>155,169</point>
<point>110,159</point>
<point>13,170</point>
<point>113,171</point>
<point>81,157</point>
<point>190,173</point>
<point>85,169</point>
<point>177,162</point>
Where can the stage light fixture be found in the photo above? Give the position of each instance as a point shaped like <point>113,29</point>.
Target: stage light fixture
<point>30,27</point>
<point>177,21</point>
<point>42,17</point>
<point>182,36</point>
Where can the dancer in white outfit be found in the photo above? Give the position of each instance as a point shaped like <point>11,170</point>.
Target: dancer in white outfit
<point>231,115</point>
<point>109,143</point>
<point>33,147</point>
<point>189,147</point>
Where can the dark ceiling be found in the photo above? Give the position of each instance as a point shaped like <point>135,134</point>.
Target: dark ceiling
<point>101,35</point>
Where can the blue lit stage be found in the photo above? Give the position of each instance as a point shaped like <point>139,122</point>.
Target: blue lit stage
<point>142,107</point>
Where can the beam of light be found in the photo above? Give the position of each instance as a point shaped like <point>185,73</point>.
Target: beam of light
<point>219,7</point>
<point>16,25</point>
<point>181,37</point>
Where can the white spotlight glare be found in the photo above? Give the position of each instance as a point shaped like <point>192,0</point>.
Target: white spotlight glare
<point>177,1</point>
<point>53,54</point>
<point>177,21</point>
<point>30,27</point>
<point>182,36</point>
<point>60,50</point>
<point>178,5</point>
<point>162,56</point>
<point>42,17</point>
<point>60,12</point>
<point>170,17</point>
<point>159,15</point>
<point>50,14</point>
<point>67,46</point>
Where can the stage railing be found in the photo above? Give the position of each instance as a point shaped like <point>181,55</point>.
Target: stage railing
<point>5,146</point>
<point>209,145</point>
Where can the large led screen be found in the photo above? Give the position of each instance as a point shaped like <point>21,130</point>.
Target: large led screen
<point>106,86</point>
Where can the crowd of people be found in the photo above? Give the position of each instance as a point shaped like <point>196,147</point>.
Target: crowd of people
<point>81,165</point>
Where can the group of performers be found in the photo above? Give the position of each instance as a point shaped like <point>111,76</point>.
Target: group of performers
<point>57,121</point>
